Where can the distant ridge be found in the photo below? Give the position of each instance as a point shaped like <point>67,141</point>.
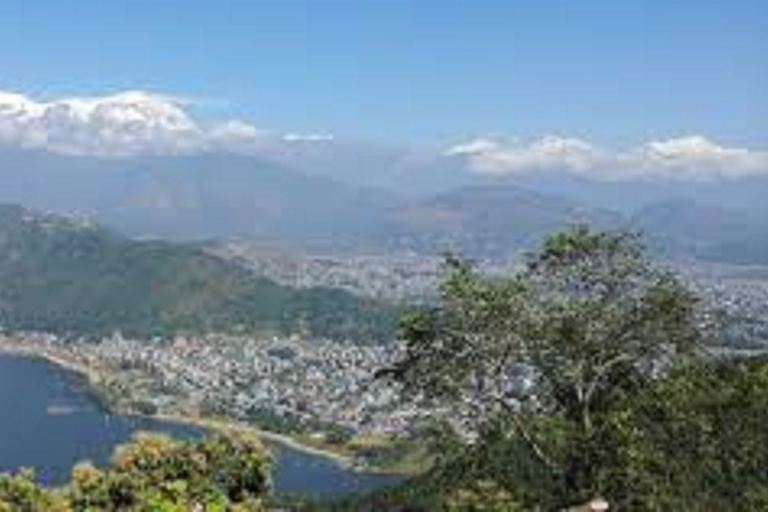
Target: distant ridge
<point>219,196</point>
<point>496,220</point>
<point>686,227</point>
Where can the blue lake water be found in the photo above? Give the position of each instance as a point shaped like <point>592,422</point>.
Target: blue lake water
<point>47,421</point>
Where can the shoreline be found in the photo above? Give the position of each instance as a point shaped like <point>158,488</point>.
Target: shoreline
<point>273,437</point>
<point>92,376</point>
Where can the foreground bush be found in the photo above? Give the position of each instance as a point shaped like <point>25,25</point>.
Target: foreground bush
<point>227,472</point>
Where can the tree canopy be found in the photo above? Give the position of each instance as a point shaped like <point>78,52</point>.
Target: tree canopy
<point>546,354</point>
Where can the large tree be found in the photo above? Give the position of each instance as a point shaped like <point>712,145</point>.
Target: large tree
<point>545,354</point>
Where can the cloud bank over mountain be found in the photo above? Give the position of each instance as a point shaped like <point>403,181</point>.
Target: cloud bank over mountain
<point>127,124</point>
<point>142,123</point>
<point>689,157</point>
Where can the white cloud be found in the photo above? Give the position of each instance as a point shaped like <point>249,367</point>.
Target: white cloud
<point>307,137</point>
<point>125,124</point>
<point>138,122</point>
<point>234,130</point>
<point>501,157</point>
<point>697,155</point>
<point>692,156</point>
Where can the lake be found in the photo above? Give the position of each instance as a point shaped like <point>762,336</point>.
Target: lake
<point>47,421</point>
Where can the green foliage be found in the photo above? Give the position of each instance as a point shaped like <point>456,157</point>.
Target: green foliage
<point>537,363</point>
<point>227,472</point>
<point>482,496</point>
<point>695,440</point>
<point>20,493</point>
<point>62,277</point>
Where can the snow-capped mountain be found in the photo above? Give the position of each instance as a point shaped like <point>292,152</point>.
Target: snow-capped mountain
<point>128,123</point>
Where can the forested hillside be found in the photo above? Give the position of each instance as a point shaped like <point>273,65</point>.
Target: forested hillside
<point>65,276</point>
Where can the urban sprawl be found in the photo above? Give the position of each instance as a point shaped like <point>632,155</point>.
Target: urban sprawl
<point>308,380</point>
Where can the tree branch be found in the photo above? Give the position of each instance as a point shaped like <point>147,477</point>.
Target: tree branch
<point>527,437</point>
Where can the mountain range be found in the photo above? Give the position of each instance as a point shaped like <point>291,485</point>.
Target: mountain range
<point>205,196</point>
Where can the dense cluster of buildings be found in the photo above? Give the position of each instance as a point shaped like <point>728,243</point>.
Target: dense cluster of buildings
<point>397,278</point>
<point>740,301</point>
<point>313,380</point>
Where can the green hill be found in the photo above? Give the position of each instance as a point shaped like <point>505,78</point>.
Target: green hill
<point>64,276</point>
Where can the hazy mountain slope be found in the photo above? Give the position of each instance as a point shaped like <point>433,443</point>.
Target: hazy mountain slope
<point>226,196</point>
<point>195,197</point>
<point>495,220</point>
<point>217,196</point>
<point>628,194</point>
<point>681,227</point>
<point>62,276</point>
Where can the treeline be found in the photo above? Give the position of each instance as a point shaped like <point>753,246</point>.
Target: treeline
<point>63,277</point>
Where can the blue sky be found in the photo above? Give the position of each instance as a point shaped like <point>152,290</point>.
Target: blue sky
<point>418,71</point>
